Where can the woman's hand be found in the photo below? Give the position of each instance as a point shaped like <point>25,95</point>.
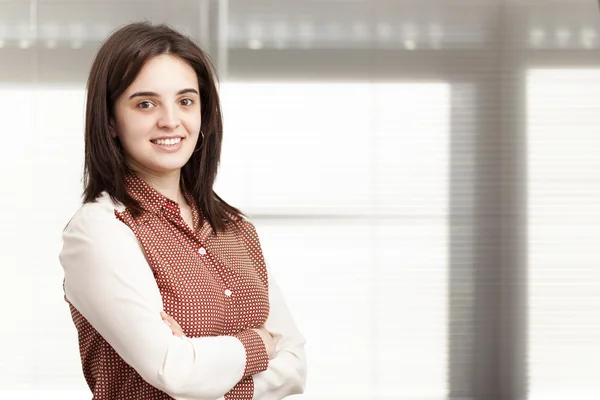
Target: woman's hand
<point>175,328</point>
<point>270,343</point>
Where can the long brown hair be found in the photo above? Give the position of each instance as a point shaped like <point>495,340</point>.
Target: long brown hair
<point>116,66</point>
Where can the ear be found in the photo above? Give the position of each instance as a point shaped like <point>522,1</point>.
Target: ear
<point>112,129</point>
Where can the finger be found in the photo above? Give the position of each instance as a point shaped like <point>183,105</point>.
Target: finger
<point>170,321</point>
<point>177,332</point>
<point>167,317</point>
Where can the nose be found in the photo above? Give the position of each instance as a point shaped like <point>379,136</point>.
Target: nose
<point>169,118</point>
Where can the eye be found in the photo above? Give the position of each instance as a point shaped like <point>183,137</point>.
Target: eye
<point>186,102</point>
<point>145,104</point>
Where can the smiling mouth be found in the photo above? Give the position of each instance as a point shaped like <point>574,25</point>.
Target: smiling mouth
<point>167,142</point>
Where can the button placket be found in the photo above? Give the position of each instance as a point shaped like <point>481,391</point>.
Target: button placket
<point>231,314</point>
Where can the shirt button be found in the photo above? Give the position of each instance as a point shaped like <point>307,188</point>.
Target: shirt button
<point>202,250</point>
<point>227,292</point>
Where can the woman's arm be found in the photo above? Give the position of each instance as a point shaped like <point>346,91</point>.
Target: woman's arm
<point>286,373</point>
<point>108,280</point>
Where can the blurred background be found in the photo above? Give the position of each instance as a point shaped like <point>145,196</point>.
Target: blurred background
<point>424,176</point>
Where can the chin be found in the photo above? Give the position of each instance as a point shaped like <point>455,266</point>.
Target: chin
<point>170,166</point>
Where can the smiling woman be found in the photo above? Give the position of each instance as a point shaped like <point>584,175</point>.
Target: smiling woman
<point>166,282</point>
<point>159,129</point>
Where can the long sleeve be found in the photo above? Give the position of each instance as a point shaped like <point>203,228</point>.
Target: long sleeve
<point>286,373</point>
<point>108,280</point>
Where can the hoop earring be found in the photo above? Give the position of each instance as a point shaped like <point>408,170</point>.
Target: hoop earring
<point>200,148</point>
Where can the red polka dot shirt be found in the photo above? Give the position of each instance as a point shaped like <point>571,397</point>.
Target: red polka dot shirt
<point>121,272</point>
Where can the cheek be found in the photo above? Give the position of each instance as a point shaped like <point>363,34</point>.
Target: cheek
<point>132,126</point>
<point>193,124</point>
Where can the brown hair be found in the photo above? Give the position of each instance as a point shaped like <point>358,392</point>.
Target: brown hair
<point>116,66</point>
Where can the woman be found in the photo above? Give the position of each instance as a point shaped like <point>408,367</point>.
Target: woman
<point>166,282</point>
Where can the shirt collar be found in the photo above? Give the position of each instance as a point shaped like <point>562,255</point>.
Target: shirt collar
<point>149,198</point>
<point>152,200</point>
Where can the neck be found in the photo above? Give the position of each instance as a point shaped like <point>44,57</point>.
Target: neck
<point>167,184</point>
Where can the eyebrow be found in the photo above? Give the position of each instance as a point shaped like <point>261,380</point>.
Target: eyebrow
<point>154,94</point>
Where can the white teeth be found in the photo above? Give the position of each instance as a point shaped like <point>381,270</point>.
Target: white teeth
<point>167,142</point>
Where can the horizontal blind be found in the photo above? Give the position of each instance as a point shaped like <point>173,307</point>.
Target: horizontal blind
<point>563,128</point>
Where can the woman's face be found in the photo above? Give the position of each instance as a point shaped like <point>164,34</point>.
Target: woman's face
<point>157,118</point>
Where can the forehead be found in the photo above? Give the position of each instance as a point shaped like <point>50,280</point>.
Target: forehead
<point>164,74</point>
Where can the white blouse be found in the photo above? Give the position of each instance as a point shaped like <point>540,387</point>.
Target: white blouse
<point>108,280</point>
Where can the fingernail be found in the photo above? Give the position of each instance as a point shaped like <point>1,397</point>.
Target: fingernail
<point>167,322</point>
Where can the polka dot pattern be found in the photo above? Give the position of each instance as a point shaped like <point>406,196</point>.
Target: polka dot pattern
<point>210,284</point>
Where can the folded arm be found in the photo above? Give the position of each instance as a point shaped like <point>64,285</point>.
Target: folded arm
<point>108,280</point>
<point>286,373</point>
